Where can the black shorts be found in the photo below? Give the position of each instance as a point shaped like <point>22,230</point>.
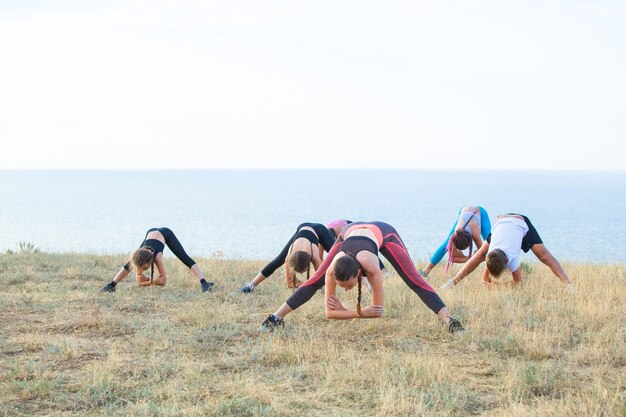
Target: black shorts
<point>531,238</point>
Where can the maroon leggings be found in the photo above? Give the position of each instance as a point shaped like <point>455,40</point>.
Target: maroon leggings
<point>393,250</point>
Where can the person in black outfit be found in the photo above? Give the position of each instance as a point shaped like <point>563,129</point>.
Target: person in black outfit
<point>150,252</point>
<point>306,246</point>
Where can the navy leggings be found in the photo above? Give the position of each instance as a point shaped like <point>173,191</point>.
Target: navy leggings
<point>394,251</point>
<point>171,241</point>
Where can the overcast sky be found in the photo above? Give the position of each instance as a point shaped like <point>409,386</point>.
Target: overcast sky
<point>316,84</point>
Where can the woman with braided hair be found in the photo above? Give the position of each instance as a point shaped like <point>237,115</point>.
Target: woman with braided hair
<point>149,254</point>
<point>472,226</point>
<point>354,256</point>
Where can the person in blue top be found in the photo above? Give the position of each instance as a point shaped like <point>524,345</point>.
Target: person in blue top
<point>471,226</point>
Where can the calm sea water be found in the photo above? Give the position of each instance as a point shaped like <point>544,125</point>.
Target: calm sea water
<point>251,214</point>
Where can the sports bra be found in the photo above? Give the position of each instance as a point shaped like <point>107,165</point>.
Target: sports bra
<point>356,244</point>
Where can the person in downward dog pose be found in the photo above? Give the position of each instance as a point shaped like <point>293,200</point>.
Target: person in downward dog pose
<point>511,234</point>
<point>306,246</point>
<point>353,257</point>
<point>150,252</point>
<point>472,226</point>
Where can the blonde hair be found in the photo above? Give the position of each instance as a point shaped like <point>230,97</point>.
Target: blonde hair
<point>299,261</point>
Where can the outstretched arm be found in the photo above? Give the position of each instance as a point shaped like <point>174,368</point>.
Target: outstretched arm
<point>548,259</point>
<point>471,265</point>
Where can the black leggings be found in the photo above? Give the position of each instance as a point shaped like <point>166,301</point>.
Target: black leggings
<point>325,239</point>
<point>394,251</point>
<point>172,242</point>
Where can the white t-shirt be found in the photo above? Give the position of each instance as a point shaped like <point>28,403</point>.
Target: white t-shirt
<point>507,235</point>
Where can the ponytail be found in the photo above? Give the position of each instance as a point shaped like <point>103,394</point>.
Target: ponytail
<point>358,298</point>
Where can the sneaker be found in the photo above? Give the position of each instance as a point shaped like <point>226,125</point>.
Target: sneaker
<point>206,286</point>
<point>455,326</point>
<point>108,288</point>
<point>248,288</point>
<point>270,323</point>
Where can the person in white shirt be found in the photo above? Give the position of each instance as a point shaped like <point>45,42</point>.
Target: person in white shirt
<point>512,234</point>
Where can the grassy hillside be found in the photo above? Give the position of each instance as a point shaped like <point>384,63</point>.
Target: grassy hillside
<point>66,349</point>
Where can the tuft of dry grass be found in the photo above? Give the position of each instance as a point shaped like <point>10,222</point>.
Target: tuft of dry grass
<point>68,350</point>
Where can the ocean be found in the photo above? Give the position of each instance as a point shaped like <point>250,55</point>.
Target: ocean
<point>251,214</point>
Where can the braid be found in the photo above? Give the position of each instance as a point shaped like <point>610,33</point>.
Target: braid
<point>152,264</point>
<point>358,299</point>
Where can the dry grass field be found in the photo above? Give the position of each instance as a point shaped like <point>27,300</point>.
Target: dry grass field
<point>68,350</point>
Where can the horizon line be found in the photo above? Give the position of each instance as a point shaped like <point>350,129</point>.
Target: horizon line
<point>321,169</point>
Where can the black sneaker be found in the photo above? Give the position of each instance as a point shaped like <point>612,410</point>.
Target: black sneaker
<point>206,286</point>
<point>108,288</point>
<point>455,326</point>
<point>270,323</point>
